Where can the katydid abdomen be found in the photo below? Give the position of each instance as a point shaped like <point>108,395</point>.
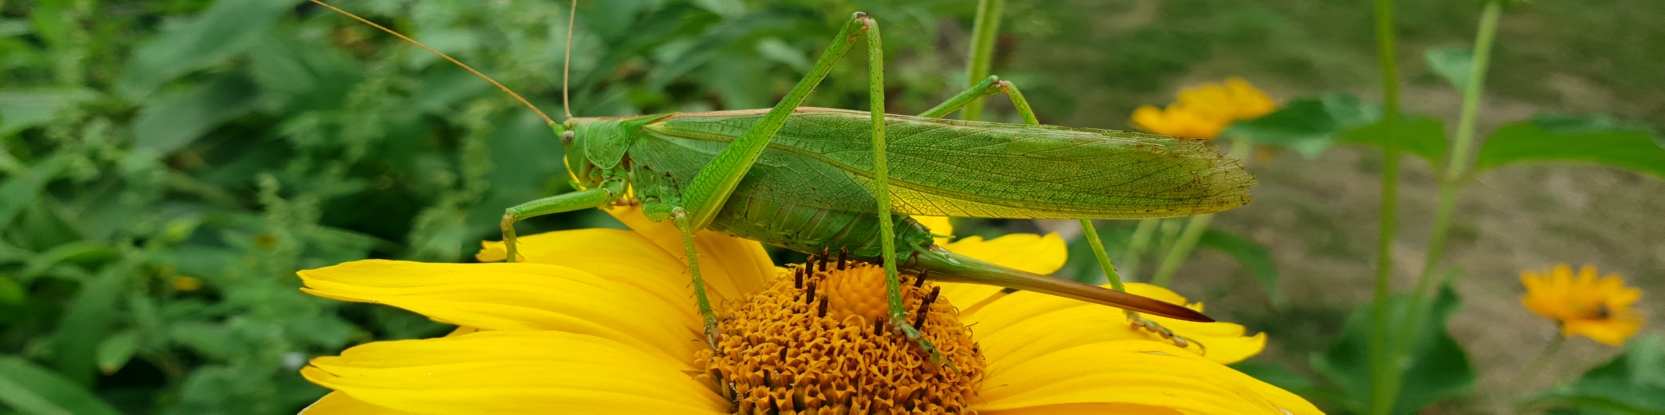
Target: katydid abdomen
<point>810,229</point>
<point>809,191</point>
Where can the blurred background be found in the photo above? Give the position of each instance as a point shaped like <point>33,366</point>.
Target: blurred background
<point>166,166</point>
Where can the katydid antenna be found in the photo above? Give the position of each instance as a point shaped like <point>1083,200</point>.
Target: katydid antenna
<point>566,70</point>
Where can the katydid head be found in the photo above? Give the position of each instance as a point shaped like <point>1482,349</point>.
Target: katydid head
<point>576,137</point>
<point>596,147</point>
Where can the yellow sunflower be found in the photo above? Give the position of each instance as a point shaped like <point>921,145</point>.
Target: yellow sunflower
<point>603,321</point>
<point>1203,111</point>
<point>1598,308</point>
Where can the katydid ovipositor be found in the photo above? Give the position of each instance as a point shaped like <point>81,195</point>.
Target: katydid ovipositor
<point>817,179</point>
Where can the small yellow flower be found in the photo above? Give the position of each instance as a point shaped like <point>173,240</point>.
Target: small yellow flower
<point>1203,111</point>
<point>1236,100</point>
<point>184,283</point>
<point>1177,121</point>
<point>603,321</point>
<point>1598,308</point>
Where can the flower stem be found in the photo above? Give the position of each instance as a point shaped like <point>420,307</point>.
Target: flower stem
<point>1136,248</point>
<point>1451,182</point>
<point>1538,364</point>
<point>1170,233</point>
<point>1194,229</point>
<point>1381,395</point>
<point>983,34</point>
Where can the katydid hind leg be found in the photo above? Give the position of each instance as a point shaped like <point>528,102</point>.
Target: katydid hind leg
<point>567,202</point>
<point>993,85</point>
<point>704,195</point>
<point>881,191</point>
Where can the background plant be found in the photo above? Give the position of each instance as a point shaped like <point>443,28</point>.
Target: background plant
<point>235,141</point>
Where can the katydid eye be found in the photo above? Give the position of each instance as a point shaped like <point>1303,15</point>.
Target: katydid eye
<point>566,138</point>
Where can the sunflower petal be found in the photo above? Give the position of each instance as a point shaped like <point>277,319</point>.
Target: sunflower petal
<point>652,315</point>
<point>1023,251</point>
<point>1024,324</point>
<point>731,266</point>
<point>337,403</point>
<point>565,247</point>
<point>968,297</point>
<point>513,372</point>
<point>1087,408</point>
<point>616,254</point>
<point>1132,372</point>
<point>939,225</point>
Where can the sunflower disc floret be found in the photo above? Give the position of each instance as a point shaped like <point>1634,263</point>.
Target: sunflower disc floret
<point>807,344</point>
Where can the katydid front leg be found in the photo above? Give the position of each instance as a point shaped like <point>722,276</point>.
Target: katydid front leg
<point>993,85</point>
<point>567,202</point>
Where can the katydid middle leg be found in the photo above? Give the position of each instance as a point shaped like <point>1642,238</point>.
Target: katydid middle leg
<point>994,85</point>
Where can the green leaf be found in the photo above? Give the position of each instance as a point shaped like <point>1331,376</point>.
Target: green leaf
<point>213,340</point>
<point>1422,136</point>
<point>18,192</point>
<point>300,73</point>
<point>1307,126</point>
<point>526,166</point>
<point>171,121</point>
<point>1632,383</point>
<point>24,109</point>
<point>1437,366</point>
<point>777,50</point>
<point>727,8</point>
<point>87,320</point>
<point>226,28</point>
<point>11,293</point>
<point>32,389</point>
<point>115,351</point>
<point>83,251</point>
<point>735,82</point>
<point>442,88</point>
<point>1252,256</point>
<point>1562,139</point>
<point>1276,375</point>
<point>1452,63</point>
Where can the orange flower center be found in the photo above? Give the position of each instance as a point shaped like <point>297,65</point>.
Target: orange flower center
<point>819,339</point>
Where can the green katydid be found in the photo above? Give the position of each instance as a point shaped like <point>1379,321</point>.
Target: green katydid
<point>819,179</point>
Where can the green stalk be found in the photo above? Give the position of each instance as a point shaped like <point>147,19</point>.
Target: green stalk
<point>1537,364</point>
<point>1194,229</point>
<point>1383,392</point>
<point>1170,233</point>
<point>1136,248</point>
<point>1455,171</point>
<point>983,34</point>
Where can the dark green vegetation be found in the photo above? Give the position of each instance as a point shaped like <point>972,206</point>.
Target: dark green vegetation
<point>236,141</point>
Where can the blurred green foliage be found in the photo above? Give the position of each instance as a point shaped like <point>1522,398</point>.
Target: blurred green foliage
<point>1632,383</point>
<point>237,141</point>
<point>146,144</point>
